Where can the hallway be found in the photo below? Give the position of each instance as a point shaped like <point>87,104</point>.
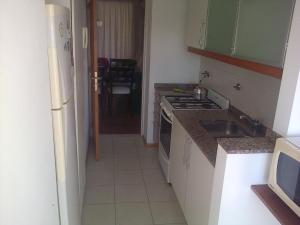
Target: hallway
<point>126,187</point>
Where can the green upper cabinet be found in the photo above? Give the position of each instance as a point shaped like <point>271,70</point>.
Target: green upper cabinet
<point>222,17</point>
<point>262,30</point>
<point>196,23</point>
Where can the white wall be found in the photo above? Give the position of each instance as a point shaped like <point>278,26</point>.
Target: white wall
<point>258,95</point>
<point>65,3</point>
<point>169,60</point>
<point>287,121</point>
<point>233,202</point>
<point>81,90</point>
<point>146,66</point>
<point>27,168</point>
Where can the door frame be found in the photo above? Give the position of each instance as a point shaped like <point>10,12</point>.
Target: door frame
<point>94,76</point>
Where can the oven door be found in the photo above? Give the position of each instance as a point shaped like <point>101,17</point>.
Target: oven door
<point>165,132</point>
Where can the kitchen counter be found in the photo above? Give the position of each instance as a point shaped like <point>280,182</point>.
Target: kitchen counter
<point>164,89</point>
<point>208,144</point>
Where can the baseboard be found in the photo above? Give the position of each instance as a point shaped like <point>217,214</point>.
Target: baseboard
<point>150,145</point>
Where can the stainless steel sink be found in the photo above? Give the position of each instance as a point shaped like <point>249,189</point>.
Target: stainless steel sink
<point>223,128</point>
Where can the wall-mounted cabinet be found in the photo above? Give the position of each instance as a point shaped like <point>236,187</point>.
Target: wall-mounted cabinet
<point>221,27</point>
<point>252,34</point>
<point>262,31</point>
<point>196,25</point>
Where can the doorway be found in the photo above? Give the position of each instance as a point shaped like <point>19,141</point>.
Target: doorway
<point>120,40</point>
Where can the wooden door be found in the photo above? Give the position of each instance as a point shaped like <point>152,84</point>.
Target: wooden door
<point>94,76</point>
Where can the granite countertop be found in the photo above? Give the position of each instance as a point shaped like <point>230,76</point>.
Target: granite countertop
<point>208,144</point>
<point>168,88</point>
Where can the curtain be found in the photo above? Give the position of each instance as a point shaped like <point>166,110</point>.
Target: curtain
<point>115,26</point>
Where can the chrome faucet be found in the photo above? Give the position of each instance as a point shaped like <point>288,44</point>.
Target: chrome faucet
<point>203,75</point>
<point>253,122</point>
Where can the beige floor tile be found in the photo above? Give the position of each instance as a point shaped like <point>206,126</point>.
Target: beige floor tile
<point>139,142</point>
<point>150,163</point>
<point>160,193</point>
<point>104,164</point>
<point>98,178</point>
<point>124,142</point>
<point>129,177</point>
<point>99,195</point>
<point>99,214</point>
<point>176,224</point>
<point>166,213</point>
<point>148,153</point>
<point>106,143</point>
<point>126,155</point>
<point>125,149</point>
<point>131,193</point>
<point>154,176</point>
<point>91,158</point>
<point>127,164</point>
<point>133,214</point>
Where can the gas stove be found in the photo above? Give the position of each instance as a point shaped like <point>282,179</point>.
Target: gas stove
<point>190,102</point>
<point>213,101</point>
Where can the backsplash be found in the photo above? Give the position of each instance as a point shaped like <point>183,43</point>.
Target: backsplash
<point>258,94</point>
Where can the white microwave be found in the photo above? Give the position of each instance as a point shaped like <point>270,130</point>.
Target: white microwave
<point>284,177</point>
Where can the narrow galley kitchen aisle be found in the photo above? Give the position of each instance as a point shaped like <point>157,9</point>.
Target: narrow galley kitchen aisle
<point>126,186</point>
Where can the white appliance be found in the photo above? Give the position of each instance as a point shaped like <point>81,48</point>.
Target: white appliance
<point>214,101</point>
<point>63,113</point>
<point>284,177</point>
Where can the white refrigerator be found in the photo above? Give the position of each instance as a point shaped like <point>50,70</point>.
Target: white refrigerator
<point>63,113</point>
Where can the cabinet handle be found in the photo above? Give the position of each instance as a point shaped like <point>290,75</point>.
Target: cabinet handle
<point>184,159</point>
<point>233,50</point>
<point>188,158</point>
<point>202,36</point>
<point>184,153</point>
<point>187,152</point>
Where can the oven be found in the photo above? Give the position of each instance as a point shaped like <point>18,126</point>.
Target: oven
<point>214,101</point>
<point>165,131</point>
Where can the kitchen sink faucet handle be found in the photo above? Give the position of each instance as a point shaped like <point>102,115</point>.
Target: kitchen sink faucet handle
<point>237,86</point>
<point>202,75</point>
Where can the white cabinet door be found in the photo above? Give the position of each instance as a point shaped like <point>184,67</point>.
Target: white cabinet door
<point>178,169</point>
<point>199,186</point>
<point>196,23</point>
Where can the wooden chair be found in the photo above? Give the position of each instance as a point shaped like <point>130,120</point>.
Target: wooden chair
<point>120,76</point>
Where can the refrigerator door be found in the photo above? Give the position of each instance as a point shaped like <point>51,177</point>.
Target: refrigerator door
<point>66,163</point>
<point>59,52</point>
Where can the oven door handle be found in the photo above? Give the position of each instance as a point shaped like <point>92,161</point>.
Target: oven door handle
<point>163,114</point>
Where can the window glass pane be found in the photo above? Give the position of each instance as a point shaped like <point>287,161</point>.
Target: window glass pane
<point>221,25</point>
<point>263,28</point>
<point>165,134</point>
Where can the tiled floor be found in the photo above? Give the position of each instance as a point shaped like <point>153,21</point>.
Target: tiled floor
<point>126,187</point>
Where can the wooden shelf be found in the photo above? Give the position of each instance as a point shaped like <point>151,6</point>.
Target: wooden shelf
<point>257,67</point>
<point>278,208</point>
